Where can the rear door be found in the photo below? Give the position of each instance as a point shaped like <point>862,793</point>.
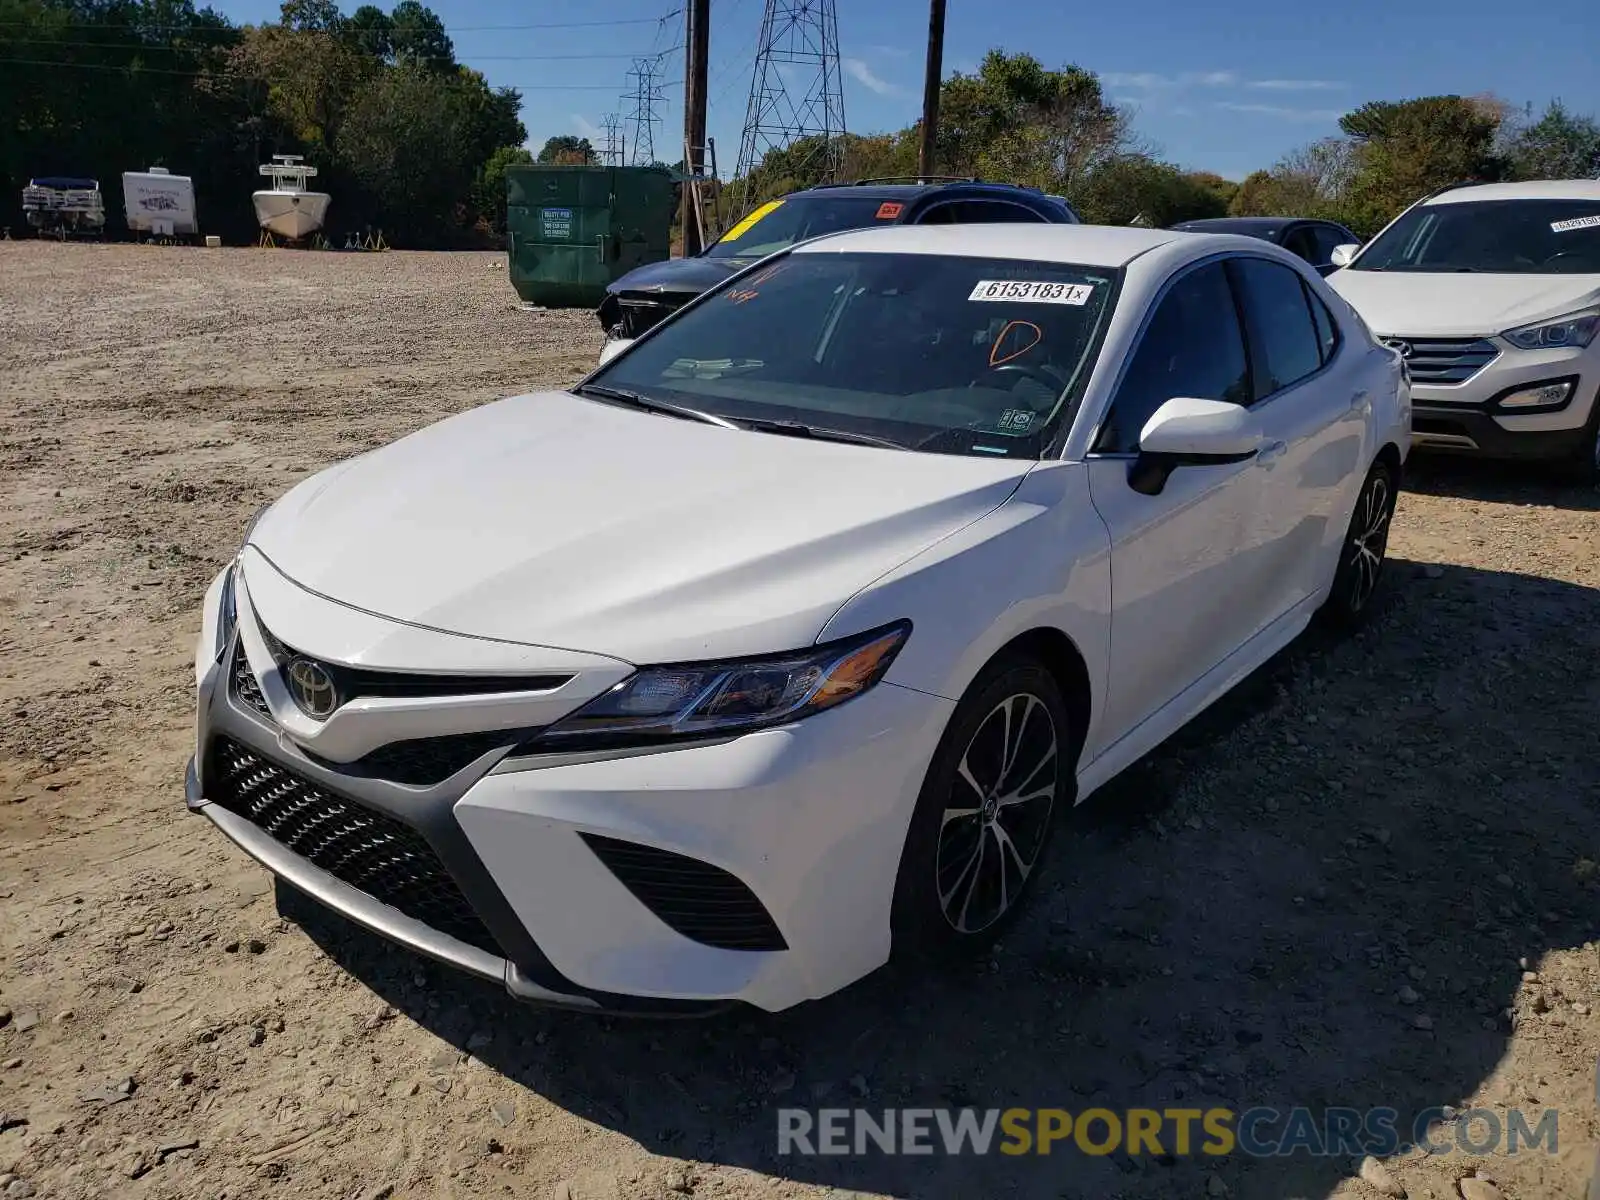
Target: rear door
<point>1186,591</point>
<point>1313,412</point>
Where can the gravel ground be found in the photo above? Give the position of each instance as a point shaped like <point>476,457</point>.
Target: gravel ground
<point>1366,878</point>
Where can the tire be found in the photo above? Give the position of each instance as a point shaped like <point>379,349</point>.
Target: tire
<point>1361,553</point>
<point>1583,468</point>
<point>948,898</point>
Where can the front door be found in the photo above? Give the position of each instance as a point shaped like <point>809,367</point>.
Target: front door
<point>1186,577</point>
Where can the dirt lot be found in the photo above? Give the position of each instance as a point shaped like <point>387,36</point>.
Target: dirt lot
<point>1367,879</point>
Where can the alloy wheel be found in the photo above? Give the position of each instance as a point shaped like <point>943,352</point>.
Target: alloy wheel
<point>1369,538</point>
<point>997,813</point>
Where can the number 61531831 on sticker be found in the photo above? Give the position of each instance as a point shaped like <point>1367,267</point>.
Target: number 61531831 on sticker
<point>1032,291</point>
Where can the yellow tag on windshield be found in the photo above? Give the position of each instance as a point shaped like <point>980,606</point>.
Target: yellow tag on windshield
<point>744,226</point>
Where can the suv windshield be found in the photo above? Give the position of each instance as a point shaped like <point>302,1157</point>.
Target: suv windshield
<point>1512,237</point>
<point>926,352</point>
<point>781,223</point>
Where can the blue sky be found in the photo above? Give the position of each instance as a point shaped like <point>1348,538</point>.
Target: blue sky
<point>1227,88</point>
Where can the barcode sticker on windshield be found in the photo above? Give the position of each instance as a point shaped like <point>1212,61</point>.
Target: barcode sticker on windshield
<point>1575,223</point>
<point>1036,292</point>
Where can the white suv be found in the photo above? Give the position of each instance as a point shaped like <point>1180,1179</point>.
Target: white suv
<point>1491,293</point>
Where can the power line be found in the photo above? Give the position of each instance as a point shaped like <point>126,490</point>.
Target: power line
<point>141,69</point>
<point>191,49</point>
<point>456,29</point>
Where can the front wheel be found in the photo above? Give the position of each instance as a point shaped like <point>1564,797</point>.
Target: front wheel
<point>983,818</point>
<point>1361,555</point>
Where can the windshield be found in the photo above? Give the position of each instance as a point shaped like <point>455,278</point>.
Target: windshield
<point>781,223</point>
<point>1512,237</point>
<point>947,354</point>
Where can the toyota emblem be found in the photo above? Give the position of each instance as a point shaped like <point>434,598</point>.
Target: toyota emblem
<point>1399,345</point>
<point>312,688</point>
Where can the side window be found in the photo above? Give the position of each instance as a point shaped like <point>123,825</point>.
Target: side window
<point>1192,347</point>
<point>1284,344</point>
<point>985,212</point>
<point>1302,243</point>
<point>1327,328</point>
<point>939,214</point>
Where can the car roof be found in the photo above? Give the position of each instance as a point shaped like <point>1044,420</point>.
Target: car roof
<point>910,189</point>
<point>1533,189</point>
<point>1250,226</point>
<point>1090,245</point>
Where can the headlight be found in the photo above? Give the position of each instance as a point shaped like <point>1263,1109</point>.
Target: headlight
<point>1576,329</point>
<point>706,699</point>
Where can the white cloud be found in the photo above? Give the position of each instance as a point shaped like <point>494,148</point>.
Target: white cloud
<point>1296,85</point>
<point>1150,81</point>
<point>1284,113</point>
<point>586,128</point>
<point>890,51</point>
<point>863,74</point>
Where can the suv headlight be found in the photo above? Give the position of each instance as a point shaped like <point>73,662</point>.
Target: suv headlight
<point>706,699</point>
<point>1575,329</point>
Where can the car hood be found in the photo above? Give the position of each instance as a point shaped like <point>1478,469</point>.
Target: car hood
<point>1424,304</point>
<point>679,276</point>
<point>550,520</point>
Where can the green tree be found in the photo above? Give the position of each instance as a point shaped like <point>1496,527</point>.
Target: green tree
<point>568,149</point>
<point>1018,121</point>
<point>417,36</point>
<point>1135,187</point>
<point>1559,145</point>
<point>1409,148</point>
<point>489,190</point>
<point>305,16</point>
<point>372,31</point>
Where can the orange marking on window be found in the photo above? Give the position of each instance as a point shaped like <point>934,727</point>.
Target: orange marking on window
<point>890,209</point>
<point>996,358</point>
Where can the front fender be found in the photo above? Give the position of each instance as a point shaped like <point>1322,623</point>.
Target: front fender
<point>1041,560</point>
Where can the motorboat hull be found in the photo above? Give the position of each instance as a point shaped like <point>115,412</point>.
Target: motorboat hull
<point>291,215</point>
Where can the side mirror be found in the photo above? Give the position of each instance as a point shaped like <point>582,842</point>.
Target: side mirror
<point>1188,432</point>
<point>1201,429</point>
<point>1343,256</point>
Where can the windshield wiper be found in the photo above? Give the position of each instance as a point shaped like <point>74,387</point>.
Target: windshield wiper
<point>665,407</point>
<point>818,433</point>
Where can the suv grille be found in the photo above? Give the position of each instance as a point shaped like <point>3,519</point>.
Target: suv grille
<point>702,902</point>
<point>387,860</point>
<point>1445,360</point>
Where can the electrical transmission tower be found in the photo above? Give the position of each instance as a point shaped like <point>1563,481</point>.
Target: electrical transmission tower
<point>611,149</point>
<point>799,39</point>
<point>645,97</point>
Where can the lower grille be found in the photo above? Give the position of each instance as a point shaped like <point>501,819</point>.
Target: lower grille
<point>1445,360</point>
<point>702,902</point>
<point>372,852</point>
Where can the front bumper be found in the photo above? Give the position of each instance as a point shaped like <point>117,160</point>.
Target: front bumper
<point>1466,418</point>
<point>810,818</point>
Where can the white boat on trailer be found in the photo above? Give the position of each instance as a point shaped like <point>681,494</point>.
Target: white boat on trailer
<point>286,209</point>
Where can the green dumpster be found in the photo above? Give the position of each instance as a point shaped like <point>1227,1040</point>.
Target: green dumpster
<point>572,230</point>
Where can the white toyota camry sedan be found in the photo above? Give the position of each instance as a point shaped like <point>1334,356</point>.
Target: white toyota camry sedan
<point>777,644</point>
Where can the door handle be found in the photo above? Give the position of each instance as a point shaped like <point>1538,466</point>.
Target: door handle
<point>1359,402</point>
<point>1271,453</point>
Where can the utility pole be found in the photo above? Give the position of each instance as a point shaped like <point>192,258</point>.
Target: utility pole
<point>697,40</point>
<point>932,74</point>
